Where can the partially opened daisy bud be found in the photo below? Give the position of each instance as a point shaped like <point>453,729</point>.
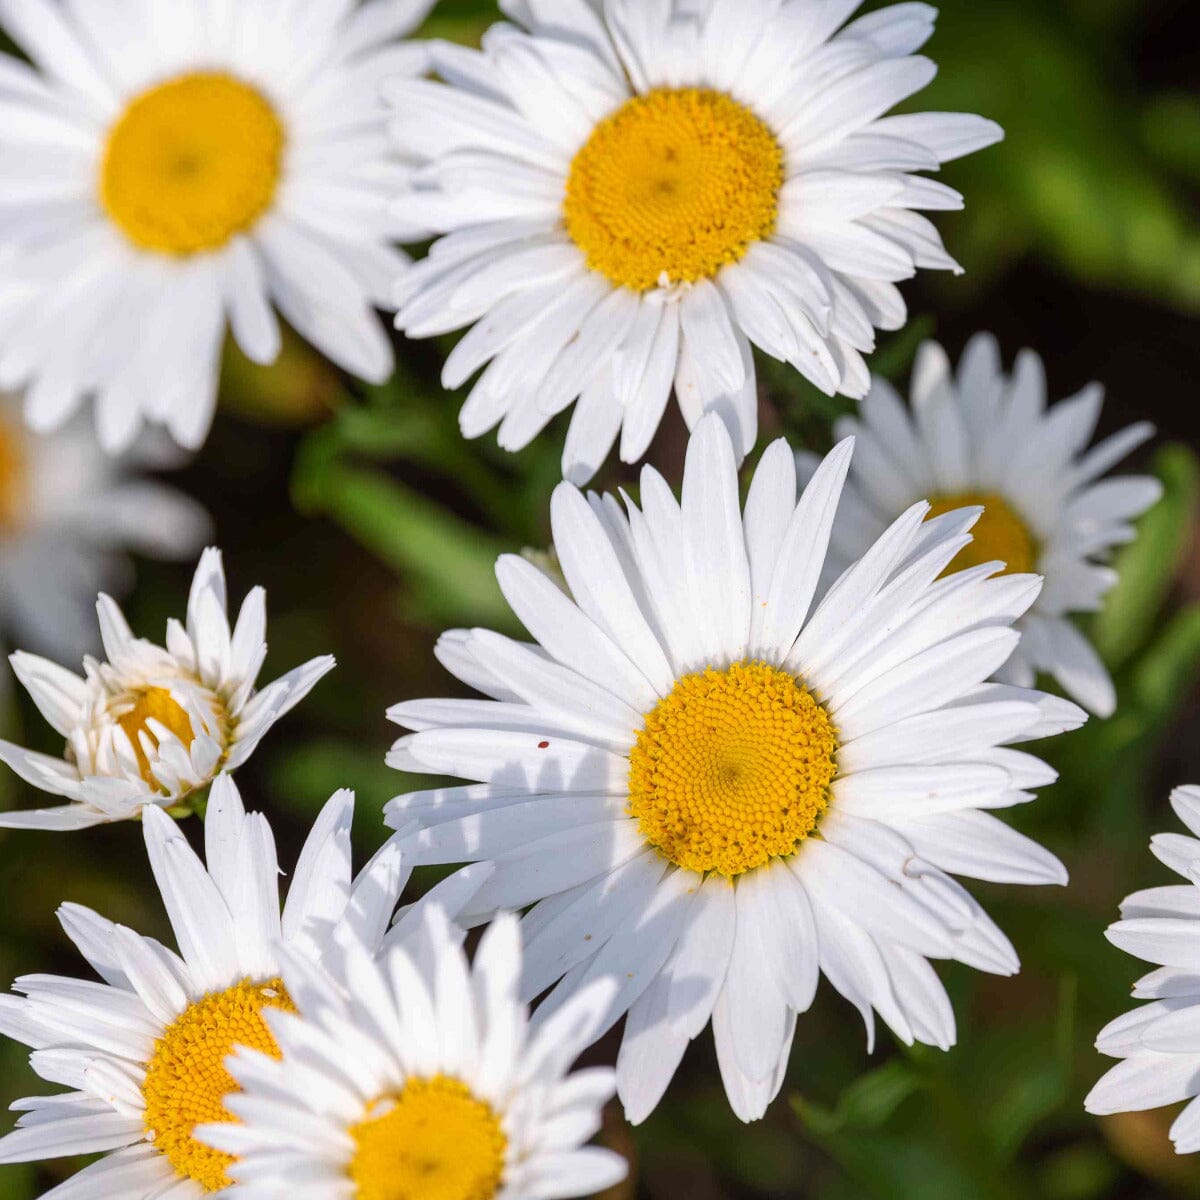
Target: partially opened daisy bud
<point>634,194</point>
<point>1159,1043</point>
<point>714,789</point>
<point>174,170</point>
<point>144,1051</point>
<point>980,436</point>
<point>151,725</point>
<point>413,1075</point>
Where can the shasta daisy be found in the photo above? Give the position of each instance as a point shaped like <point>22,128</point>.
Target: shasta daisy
<point>68,514</point>
<point>151,725</point>
<point>715,790</point>
<point>982,436</point>
<point>1159,1043</point>
<point>414,1075</point>
<point>143,1049</point>
<point>632,194</point>
<point>172,170</point>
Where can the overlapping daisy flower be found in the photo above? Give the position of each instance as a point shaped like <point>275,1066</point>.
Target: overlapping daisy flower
<point>715,789</point>
<point>174,170</point>
<point>67,515</point>
<point>1159,1043</point>
<point>151,725</point>
<point>415,1075</point>
<point>143,1049</point>
<point>634,194</point>
<point>982,436</point>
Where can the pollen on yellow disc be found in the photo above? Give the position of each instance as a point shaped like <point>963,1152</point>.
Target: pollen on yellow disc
<point>435,1140</point>
<point>676,183</point>
<point>187,1082</point>
<point>154,704</point>
<point>732,769</point>
<point>12,476</point>
<point>192,162</point>
<point>1000,534</point>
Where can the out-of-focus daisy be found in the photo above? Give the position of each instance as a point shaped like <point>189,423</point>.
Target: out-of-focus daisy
<point>409,1076</point>
<point>67,514</point>
<point>151,725</point>
<point>635,194</point>
<point>984,437</point>
<point>171,170</point>
<point>1159,1043</point>
<point>143,1049</point>
<point>714,789</point>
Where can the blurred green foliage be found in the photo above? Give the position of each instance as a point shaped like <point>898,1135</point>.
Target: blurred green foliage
<point>1090,173</point>
<point>394,527</point>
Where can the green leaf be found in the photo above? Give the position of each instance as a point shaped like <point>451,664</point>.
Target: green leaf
<point>1082,1172</point>
<point>868,1102</point>
<point>1170,669</point>
<point>307,776</point>
<point>422,433</point>
<point>1170,127</point>
<point>1148,566</point>
<point>895,356</point>
<point>889,1166</point>
<point>447,563</point>
<point>1072,181</point>
<point>17,1182</point>
<point>1030,1082</point>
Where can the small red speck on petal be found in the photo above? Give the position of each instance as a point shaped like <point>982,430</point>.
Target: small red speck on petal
<point>543,745</point>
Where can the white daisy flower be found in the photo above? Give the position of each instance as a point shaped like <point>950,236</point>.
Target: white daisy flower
<point>144,1051</point>
<point>174,169</point>
<point>67,514</point>
<point>714,789</point>
<point>414,1075</point>
<point>984,437</point>
<point>151,725</point>
<point>1159,1043</point>
<point>633,194</point>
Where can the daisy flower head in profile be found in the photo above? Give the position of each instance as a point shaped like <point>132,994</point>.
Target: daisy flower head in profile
<point>143,1048</point>
<point>150,725</point>
<point>1159,1043</point>
<point>68,514</point>
<point>714,789</point>
<point>982,436</point>
<point>412,1074</point>
<point>633,194</point>
<point>174,170</point>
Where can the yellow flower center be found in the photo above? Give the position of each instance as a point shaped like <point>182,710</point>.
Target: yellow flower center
<point>154,704</point>
<point>434,1141</point>
<point>732,769</point>
<point>192,162</point>
<point>187,1083</point>
<point>1000,534</point>
<point>675,183</point>
<point>12,476</point>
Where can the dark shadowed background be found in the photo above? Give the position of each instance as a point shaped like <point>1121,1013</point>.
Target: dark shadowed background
<point>374,526</point>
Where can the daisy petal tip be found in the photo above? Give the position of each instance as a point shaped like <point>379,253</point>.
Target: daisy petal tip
<point>1102,1100</point>
<point>992,131</point>
<point>158,825</point>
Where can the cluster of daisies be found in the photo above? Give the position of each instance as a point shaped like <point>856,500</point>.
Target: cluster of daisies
<point>751,742</point>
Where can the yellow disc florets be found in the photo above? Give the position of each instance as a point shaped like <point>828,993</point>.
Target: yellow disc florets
<point>433,1141</point>
<point>675,184</point>
<point>733,768</point>
<point>192,162</point>
<point>12,476</point>
<point>1000,534</point>
<point>156,704</point>
<point>187,1082</point>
